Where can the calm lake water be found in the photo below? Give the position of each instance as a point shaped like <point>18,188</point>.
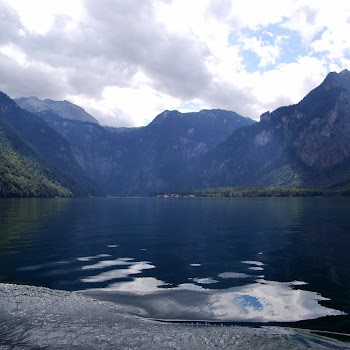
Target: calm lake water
<point>267,260</point>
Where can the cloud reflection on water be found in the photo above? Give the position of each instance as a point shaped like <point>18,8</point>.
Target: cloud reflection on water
<point>88,258</point>
<point>262,301</point>
<point>140,285</point>
<point>251,262</point>
<point>259,301</point>
<point>207,280</point>
<point>107,263</point>
<point>133,269</point>
<point>268,301</point>
<point>227,275</point>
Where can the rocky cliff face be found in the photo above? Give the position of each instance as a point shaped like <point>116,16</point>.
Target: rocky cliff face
<point>50,108</point>
<point>159,157</point>
<point>306,144</point>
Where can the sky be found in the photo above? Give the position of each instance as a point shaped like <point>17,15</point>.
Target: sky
<point>126,61</point>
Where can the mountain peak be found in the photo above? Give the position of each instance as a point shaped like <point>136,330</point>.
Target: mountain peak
<point>334,79</point>
<point>3,96</point>
<point>344,71</point>
<point>6,102</point>
<point>63,109</point>
<point>160,118</point>
<point>205,115</point>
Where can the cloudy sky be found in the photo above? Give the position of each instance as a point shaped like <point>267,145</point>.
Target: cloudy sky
<point>125,61</point>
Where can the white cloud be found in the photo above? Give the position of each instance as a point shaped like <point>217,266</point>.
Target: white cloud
<point>125,106</point>
<point>39,16</point>
<point>304,20</point>
<point>254,14</point>
<point>287,83</point>
<point>14,53</point>
<point>334,42</point>
<point>125,62</point>
<point>267,53</point>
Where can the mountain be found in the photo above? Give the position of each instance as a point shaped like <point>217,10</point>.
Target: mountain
<point>302,145</point>
<point>23,174</point>
<point>306,145</point>
<point>50,108</point>
<point>47,144</point>
<point>162,156</point>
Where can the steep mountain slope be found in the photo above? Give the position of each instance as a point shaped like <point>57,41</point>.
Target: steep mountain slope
<point>307,144</point>
<point>50,108</point>
<point>22,173</point>
<point>159,157</point>
<point>49,145</point>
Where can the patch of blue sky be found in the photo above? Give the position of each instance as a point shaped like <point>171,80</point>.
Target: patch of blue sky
<point>266,34</point>
<point>318,35</point>
<point>251,61</point>
<point>319,55</point>
<point>289,42</point>
<point>292,47</point>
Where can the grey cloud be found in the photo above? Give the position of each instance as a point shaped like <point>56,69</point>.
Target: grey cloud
<point>310,14</point>
<point>119,119</point>
<point>230,97</point>
<point>179,67</point>
<point>113,42</point>
<point>17,80</point>
<point>116,40</point>
<point>171,61</point>
<point>10,24</point>
<point>90,76</point>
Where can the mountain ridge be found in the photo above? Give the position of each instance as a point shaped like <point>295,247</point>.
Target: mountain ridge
<point>291,146</point>
<point>156,157</point>
<point>47,144</point>
<point>305,145</point>
<point>50,108</point>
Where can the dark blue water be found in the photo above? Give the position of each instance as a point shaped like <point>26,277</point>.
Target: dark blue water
<point>280,261</point>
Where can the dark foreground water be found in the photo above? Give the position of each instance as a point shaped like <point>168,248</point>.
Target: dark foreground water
<point>280,262</point>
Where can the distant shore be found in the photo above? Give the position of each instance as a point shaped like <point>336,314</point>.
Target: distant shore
<point>259,192</point>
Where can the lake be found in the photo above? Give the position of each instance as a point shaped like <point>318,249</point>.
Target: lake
<point>271,261</point>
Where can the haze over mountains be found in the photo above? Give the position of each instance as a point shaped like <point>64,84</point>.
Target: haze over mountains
<point>303,145</point>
